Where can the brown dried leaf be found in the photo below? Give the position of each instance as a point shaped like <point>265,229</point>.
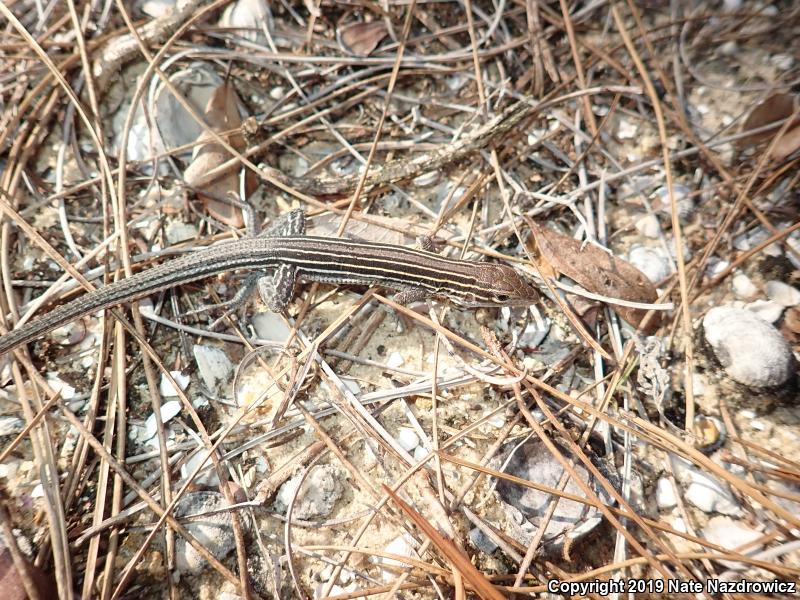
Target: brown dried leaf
<point>362,38</point>
<point>774,108</point>
<point>222,115</point>
<point>791,324</point>
<point>787,144</point>
<point>13,582</point>
<point>599,272</point>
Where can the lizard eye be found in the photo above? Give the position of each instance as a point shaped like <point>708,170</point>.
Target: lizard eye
<point>501,298</point>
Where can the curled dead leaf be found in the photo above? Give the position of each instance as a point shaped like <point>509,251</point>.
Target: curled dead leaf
<point>787,144</point>
<point>361,39</point>
<point>599,272</point>
<point>774,108</point>
<point>791,324</point>
<point>222,116</point>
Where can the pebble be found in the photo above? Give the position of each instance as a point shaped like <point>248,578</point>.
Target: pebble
<point>66,391</point>
<point>751,351</point>
<point>11,425</point>
<point>395,360</point>
<point>498,421</point>
<point>665,494</point>
<point>650,261</point>
<point>698,384</point>
<point>683,200</point>
<point>704,491</point>
<point>9,468</point>
<point>213,366</point>
<point>730,534</point>
<point>420,453</point>
<point>177,232</point>
<point>321,489</point>
<point>399,546</point>
<point>784,62</point>
<point>744,287</point>
<point>157,8</point>
<point>167,389</point>
<point>749,239</point>
<point>729,48</point>
<point>648,226</point>
<point>481,541</point>
<point>783,293</point>
<point>214,531</point>
<point>627,130</point>
<point>206,477</point>
<point>524,508</point>
<point>678,524</point>
<point>716,266</point>
<point>407,438</point>
<point>352,386</point>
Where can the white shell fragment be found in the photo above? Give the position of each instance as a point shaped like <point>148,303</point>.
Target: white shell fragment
<point>66,391</point>
<point>536,330</point>
<point>178,231</point>
<point>730,534</point>
<point>400,546</point>
<point>751,350</point>
<point>665,494</point>
<point>165,387</point>
<point>766,309</point>
<point>11,425</point>
<point>683,200</point>
<point>783,293</point>
<point>168,411</point>
<point>213,366</point>
<point>395,360</point>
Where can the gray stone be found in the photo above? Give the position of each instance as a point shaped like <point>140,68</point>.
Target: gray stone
<point>214,531</point>
<point>751,350</point>
<point>321,489</point>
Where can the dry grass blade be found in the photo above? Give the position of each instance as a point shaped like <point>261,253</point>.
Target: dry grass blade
<point>460,562</point>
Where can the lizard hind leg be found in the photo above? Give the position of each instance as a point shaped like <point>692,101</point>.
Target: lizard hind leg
<point>291,223</point>
<point>277,291</point>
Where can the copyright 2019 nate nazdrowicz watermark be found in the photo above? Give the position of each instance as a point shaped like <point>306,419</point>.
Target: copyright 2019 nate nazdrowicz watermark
<point>669,586</point>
